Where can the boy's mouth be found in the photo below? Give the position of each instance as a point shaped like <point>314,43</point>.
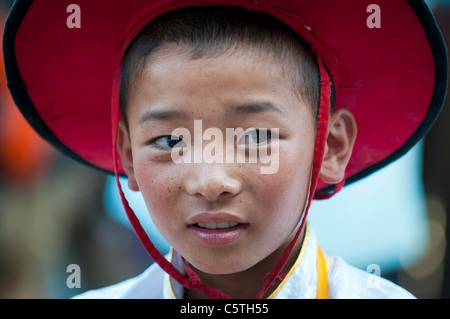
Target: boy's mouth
<point>217,228</point>
<point>214,220</point>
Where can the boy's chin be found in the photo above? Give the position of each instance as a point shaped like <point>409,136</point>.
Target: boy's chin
<point>222,266</point>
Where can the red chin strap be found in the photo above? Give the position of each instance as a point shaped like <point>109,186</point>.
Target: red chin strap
<point>193,281</point>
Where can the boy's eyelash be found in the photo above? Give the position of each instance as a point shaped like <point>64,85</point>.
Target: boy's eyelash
<point>153,141</point>
<point>267,136</point>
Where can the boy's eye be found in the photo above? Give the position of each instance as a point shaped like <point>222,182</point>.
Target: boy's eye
<point>167,142</point>
<point>256,137</point>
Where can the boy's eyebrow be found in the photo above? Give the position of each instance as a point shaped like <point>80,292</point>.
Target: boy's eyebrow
<point>162,115</point>
<point>256,108</point>
<point>247,108</point>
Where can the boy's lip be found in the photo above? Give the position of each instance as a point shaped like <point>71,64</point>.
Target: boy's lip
<point>215,217</point>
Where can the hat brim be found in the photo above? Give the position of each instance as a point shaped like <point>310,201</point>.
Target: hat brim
<point>393,78</point>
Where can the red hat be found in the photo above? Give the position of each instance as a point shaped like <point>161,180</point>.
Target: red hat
<point>388,63</point>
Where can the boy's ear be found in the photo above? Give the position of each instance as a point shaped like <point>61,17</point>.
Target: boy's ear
<point>126,155</point>
<point>338,150</point>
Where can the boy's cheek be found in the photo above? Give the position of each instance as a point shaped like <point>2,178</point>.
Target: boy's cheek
<point>150,184</point>
<point>156,189</point>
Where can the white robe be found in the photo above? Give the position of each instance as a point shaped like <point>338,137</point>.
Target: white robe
<point>344,281</point>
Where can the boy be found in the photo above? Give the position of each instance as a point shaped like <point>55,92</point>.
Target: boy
<point>236,229</point>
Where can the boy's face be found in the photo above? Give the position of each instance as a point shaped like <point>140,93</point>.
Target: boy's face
<point>236,90</point>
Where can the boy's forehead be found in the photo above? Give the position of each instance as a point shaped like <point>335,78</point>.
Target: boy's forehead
<point>178,54</point>
<point>244,81</point>
<point>172,73</point>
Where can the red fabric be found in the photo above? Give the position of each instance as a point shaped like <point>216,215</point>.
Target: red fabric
<point>337,188</point>
<point>24,155</point>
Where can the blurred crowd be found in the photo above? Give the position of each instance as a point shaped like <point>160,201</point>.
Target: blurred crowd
<point>55,212</point>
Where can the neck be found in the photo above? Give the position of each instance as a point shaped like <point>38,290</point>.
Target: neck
<point>247,284</point>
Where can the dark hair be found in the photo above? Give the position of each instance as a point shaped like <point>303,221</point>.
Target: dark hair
<point>212,31</point>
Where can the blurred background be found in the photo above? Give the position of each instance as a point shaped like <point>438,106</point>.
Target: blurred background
<point>55,212</point>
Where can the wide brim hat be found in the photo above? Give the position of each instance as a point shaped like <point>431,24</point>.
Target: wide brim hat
<point>391,76</point>
<point>388,63</point>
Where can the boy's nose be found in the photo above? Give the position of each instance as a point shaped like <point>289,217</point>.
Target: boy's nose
<point>212,181</point>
